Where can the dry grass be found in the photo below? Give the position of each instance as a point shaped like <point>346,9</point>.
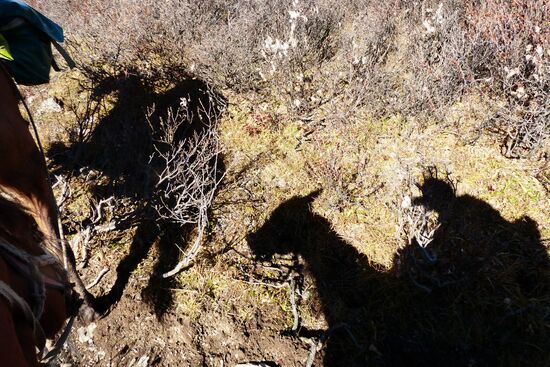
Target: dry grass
<point>365,169</point>
<point>353,162</point>
<point>358,105</point>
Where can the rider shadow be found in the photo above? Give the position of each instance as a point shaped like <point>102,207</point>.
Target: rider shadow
<point>120,147</point>
<point>493,275</point>
<point>481,300</point>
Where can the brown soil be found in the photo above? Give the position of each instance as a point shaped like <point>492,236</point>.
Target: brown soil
<point>131,334</point>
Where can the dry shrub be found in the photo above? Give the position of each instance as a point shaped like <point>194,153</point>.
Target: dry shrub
<point>366,44</point>
<point>518,33</point>
<point>220,40</point>
<point>188,173</point>
<point>496,48</point>
<point>437,59</point>
<point>104,33</point>
<point>323,59</point>
<point>294,55</point>
<point>508,25</point>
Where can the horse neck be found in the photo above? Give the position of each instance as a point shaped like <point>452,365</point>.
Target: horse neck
<point>8,94</point>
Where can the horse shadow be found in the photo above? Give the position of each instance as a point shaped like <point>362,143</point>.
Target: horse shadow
<point>478,295</point>
<point>120,149</point>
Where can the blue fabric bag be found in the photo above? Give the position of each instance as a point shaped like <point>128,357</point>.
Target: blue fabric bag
<point>29,35</point>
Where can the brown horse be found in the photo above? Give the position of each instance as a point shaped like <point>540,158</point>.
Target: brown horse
<point>35,295</point>
<point>22,167</point>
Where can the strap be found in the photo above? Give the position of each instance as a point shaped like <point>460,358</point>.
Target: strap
<point>56,349</point>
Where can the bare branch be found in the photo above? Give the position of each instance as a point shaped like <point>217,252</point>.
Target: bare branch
<point>188,177</point>
<point>96,281</point>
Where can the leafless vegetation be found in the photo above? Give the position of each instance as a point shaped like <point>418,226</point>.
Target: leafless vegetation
<point>189,173</point>
<point>320,62</point>
<point>396,57</point>
<point>517,36</point>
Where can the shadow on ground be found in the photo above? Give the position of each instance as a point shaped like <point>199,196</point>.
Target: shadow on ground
<point>477,296</point>
<point>118,149</point>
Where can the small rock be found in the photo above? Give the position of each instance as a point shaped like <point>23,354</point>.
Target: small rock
<point>142,362</point>
<point>49,105</point>
<point>86,333</point>
<point>406,203</point>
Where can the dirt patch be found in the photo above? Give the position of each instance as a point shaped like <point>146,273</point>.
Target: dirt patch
<point>131,334</point>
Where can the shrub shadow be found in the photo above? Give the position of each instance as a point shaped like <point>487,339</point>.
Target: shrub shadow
<point>119,149</point>
<point>478,295</point>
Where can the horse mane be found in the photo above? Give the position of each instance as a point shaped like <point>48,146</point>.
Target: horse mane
<point>16,223</point>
